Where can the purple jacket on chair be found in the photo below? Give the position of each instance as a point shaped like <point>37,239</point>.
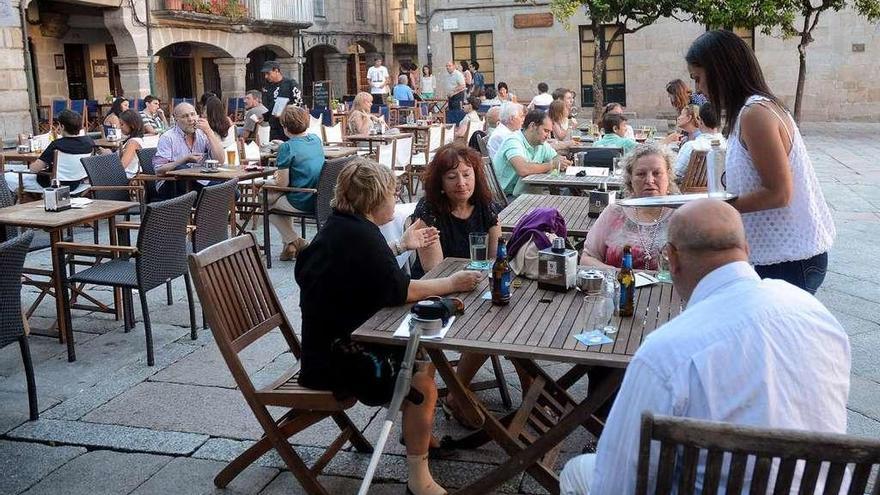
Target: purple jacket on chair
<point>537,221</point>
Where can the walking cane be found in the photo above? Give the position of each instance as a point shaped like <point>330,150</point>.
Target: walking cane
<point>427,316</point>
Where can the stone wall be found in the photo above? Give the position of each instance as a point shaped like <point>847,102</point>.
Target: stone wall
<point>841,84</point>
<point>15,115</point>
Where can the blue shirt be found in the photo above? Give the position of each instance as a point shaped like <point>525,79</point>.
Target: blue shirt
<point>303,156</point>
<point>402,92</point>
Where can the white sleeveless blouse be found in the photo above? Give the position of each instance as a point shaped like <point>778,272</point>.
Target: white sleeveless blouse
<point>798,231</point>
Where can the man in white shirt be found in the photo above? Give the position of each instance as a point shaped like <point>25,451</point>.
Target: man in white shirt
<point>746,351</point>
<point>378,77</point>
<point>512,115</point>
<point>543,99</point>
<point>455,87</point>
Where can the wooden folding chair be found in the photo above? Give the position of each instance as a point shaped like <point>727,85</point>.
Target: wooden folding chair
<point>242,307</point>
<point>695,176</point>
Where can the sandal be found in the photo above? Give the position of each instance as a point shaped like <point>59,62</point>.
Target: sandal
<point>466,422</point>
<point>443,450</point>
<point>292,249</point>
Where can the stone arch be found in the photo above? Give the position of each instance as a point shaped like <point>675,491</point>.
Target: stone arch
<point>216,41</point>
<point>179,64</point>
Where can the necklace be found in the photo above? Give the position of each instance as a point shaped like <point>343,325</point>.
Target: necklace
<point>648,234</point>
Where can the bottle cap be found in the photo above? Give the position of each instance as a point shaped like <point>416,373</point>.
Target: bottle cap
<point>558,245</point>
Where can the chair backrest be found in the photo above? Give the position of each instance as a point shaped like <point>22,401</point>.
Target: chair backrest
<point>448,133</point>
<point>6,199</point>
<point>42,140</point>
<point>12,255</point>
<point>145,159</point>
<point>385,154</point>
<point>474,127</point>
<point>492,180</point>
<point>177,101</point>
<point>406,103</point>
<point>483,142</point>
<point>69,167</point>
<point>107,170</point>
<point>598,157</point>
<point>92,106</point>
<point>162,241</point>
<point>251,151</point>
<point>685,444</point>
<point>263,133</point>
<point>695,176</point>
<point>435,137</point>
<point>484,108</point>
<point>333,134</point>
<point>212,214</point>
<point>326,186</point>
<point>403,152</point>
<point>79,106</point>
<point>315,126</point>
<point>57,106</point>
<point>151,141</point>
<point>239,302</point>
<point>543,108</point>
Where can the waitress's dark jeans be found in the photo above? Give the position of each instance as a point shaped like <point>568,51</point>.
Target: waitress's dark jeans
<point>807,274</point>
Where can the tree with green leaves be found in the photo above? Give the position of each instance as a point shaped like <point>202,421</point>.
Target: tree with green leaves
<point>624,17</point>
<point>793,18</point>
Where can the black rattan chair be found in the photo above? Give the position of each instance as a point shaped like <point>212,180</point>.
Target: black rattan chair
<point>108,181</point>
<point>148,174</point>
<point>212,218</point>
<point>159,257</point>
<point>12,255</point>
<point>324,193</point>
<point>598,157</point>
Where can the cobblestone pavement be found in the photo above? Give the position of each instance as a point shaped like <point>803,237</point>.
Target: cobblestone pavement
<point>110,424</point>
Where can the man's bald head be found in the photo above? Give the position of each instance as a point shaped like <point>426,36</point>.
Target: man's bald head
<point>704,235</point>
<point>185,117</point>
<point>182,109</point>
<point>707,225</point>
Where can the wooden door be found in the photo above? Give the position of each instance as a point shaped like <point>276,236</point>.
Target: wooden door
<point>75,65</point>
<point>211,77</point>
<point>113,72</point>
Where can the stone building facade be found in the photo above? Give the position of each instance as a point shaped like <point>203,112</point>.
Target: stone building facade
<point>843,78</point>
<point>15,115</point>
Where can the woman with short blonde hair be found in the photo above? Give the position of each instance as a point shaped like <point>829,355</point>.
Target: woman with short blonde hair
<point>359,118</point>
<point>345,276</point>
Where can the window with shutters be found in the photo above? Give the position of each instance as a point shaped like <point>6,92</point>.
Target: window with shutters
<point>319,8</point>
<point>614,77</point>
<point>475,46</point>
<point>360,13</point>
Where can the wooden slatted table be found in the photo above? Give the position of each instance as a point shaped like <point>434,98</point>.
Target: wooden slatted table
<point>32,215</point>
<point>573,181</point>
<point>536,325</point>
<point>572,208</point>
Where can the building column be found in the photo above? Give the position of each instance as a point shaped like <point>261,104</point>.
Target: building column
<point>134,75</point>
<point>232,76</point>
<point>337,72</point>
<point>290,68</point>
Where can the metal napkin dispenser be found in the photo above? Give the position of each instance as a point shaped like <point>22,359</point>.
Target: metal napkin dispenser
<point>599,200</point>
<point>557,267</point>
<point>56,197</point>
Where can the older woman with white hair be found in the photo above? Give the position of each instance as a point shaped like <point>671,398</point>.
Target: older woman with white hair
<point>360,118</point>
<point>647,172</point>
<point>345,276</point>
<point>512,116</point>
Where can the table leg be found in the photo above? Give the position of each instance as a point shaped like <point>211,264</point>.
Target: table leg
<point>59,276</point>
<point>117,292</point>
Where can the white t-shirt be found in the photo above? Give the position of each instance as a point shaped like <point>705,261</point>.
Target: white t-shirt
<point>542,100</point>
<point>133,166</point>
<point>427,84</point>
<point>378,76</point>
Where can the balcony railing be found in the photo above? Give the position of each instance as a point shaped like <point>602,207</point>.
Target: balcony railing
<point>405,34</point>
<point>284,11</point>
<point>259,12</point>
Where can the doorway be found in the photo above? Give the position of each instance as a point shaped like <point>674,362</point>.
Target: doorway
<point>75,65</point>
<point>180,81</point>
<point>115,81</point>
<point>211,76</point>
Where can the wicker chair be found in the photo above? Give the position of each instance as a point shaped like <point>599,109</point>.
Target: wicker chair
<point>212,218</point>
<point>108,181</point>
<point>494,186</point>
<point>598,157</point>
<point>754,453</point>
<point>148,175</point>
<point>12,255</point>
<point>159,257</point>
<point>323,195</point>
<point>242,308</point>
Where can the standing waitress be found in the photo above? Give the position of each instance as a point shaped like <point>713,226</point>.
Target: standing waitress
<point>788,225</point>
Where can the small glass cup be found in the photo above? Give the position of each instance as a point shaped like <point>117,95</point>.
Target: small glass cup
<point>663,274</point>
<point>479,247</point>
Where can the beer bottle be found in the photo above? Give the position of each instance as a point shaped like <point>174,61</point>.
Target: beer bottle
<point>501,275</point>
<point>627,280</point>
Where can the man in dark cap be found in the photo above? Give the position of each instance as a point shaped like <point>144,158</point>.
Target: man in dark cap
<point>277,86</point>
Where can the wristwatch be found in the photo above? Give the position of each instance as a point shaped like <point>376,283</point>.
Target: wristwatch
<point>398,249</point>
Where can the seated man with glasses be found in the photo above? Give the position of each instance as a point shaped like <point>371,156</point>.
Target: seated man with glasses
<point>186,144</point>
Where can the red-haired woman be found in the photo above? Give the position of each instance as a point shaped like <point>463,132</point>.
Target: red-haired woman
<point>457,202</point>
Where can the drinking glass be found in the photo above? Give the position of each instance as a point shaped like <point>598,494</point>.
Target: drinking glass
<point>615,166</point>
<point>598,309</point>
<point>663,274</point>
<point>230,158</point>
<point>479,249</point>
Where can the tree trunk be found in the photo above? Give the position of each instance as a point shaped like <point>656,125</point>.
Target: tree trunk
<point>598,72</point>
<point>806,38</point>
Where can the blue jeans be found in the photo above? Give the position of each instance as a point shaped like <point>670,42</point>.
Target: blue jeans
<point>807,274</point>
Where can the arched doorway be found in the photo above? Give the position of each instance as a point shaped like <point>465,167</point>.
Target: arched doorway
<point>253,78</point>
<point>179,62</point>
<point>316,68</point>
<point>358,64</point>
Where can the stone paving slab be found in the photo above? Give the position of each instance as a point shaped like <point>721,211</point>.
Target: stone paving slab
<point>102,471</point>
<point>23,464</point>
<point>187,408</point>
<point>42,349</point>
<point>197,475</point>
<point>109,436</point>
<point>15,410</point>
<point>286,484</point>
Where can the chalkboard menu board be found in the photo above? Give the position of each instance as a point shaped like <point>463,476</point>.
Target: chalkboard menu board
<point>321,94</point>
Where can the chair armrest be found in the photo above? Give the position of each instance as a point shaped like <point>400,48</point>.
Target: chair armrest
<point>270,187</point>
<point>128,225</point>
<point>148,177</point>
<point>83,248</point>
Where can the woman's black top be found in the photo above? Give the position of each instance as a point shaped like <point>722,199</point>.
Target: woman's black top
<point>345,276</point>
<point>454,231</point>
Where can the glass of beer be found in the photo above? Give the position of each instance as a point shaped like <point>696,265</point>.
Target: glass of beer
<point>230,157</point>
